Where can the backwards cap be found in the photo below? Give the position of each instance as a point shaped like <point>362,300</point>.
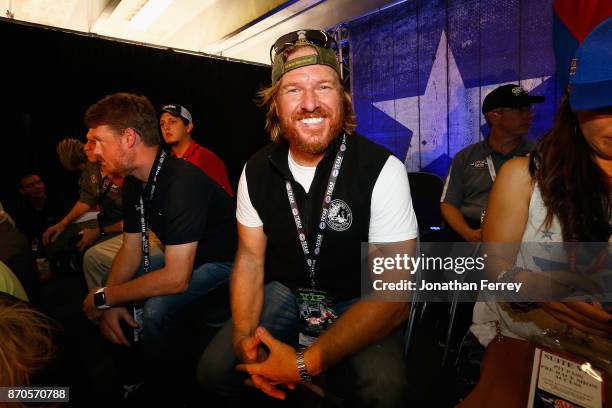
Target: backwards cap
<point>324,54</point>
<point>178,111</point>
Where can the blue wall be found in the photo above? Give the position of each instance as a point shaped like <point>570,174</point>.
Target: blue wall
<point>421,69</point>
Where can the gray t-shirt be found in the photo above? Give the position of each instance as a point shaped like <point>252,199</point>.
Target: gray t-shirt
<point>470,177</point>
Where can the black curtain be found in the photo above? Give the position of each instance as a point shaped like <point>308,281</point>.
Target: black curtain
<point>50,78</point>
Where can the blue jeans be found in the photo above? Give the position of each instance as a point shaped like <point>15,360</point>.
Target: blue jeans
<point>162,313</point>
<point>374,376</point>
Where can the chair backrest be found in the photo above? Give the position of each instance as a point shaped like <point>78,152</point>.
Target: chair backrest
<point>426,190</point>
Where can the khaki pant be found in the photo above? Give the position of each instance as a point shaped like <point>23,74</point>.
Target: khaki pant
<point>99,258</point>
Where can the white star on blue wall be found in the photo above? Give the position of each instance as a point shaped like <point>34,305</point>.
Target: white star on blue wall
<point>434,133</point>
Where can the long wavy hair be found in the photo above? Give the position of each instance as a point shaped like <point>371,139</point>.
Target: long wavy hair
<point>267,98</point>
<point>574,188</point>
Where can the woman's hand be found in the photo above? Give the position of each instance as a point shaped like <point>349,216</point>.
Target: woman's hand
<point>587,317</point>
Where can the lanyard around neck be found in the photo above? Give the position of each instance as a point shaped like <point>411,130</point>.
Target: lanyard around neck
<point>143,222</point>
<point>311,258</point>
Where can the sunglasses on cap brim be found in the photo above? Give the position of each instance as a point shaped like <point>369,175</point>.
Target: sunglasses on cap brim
<point>315,37</point>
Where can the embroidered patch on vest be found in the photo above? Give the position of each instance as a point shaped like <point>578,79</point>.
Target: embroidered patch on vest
<point>478,164</point>
<point>340,216</point>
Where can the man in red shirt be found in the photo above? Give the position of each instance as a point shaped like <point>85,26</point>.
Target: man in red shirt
<point>176,125</point>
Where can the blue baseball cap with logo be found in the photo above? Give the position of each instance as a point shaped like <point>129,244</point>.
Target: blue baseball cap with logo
<point>591,70</point>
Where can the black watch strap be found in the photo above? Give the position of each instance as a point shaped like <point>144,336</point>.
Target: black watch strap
<point>100,299</point>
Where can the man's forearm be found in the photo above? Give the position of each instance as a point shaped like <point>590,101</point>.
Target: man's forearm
<point>172,279</point>
<point>125,265</point>
<point>247,295</point>
<point>364,323</point>
<point>155,283</point>
<point>455,219</point>
<point>79,209</point>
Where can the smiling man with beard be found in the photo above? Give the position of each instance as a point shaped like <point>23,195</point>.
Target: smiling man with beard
<point>310,198</point>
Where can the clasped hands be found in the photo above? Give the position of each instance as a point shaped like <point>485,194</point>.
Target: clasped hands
<point>270,363</point>
<point>589,317</point>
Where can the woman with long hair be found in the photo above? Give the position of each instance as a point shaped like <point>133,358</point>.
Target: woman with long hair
<point>552,208</point>
<point>561,193</point>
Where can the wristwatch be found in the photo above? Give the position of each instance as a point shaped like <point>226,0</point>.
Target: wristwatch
<point>100,299</point>
<point>301,366</point>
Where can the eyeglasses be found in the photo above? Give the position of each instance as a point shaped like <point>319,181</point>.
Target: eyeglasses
<point>314,37</point>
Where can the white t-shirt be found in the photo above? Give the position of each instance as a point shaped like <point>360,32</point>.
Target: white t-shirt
<point>487,313</point>
<point>392,217</point>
